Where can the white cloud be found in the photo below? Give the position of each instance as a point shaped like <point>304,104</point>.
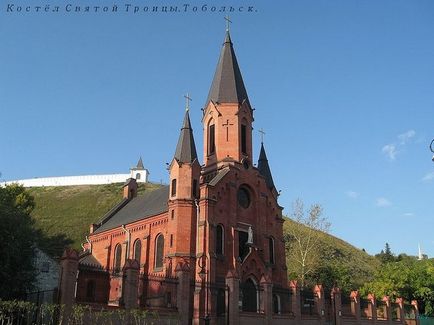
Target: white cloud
<point>428,177</point>
<point>405,137</point>
<point>383,202</point>
<point>408,214</point>
<point>390,151</point>
<point>353,195</point>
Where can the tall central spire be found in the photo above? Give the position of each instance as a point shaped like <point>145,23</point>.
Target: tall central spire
<point>227,85</point>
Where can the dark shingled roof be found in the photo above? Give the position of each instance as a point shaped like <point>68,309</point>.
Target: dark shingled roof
<point>140,164</point>
<point>186,149</point>
<point>264,168</point>
<point>89,259</point>
<point>140,207</point>
<point>227,85</point>
<point>217,178</point>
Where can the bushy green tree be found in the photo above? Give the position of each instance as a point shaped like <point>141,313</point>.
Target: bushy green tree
<point>17,238</point>
<point>408,278</point>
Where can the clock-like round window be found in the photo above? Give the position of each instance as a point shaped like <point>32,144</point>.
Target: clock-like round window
<point>243,197</point>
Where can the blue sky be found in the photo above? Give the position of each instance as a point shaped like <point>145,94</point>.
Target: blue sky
<point>343,90</point>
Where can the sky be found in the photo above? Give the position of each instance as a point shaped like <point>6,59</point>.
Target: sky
<point>343,90</point>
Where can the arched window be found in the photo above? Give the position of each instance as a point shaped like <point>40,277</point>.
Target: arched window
<point>90,291</point>
<point>243,138</point>
<point>137,250</point>
<point>173,187</point>
<point>271,249</point>
<point>276,304</point>
<point>195,191</point>
<point>219,242</point>
<point>211,138</point>
<point>118,258</point>
<point>159,251</point>
<point>138,176</point>
<point>249,296</point>
<point>221,302</point>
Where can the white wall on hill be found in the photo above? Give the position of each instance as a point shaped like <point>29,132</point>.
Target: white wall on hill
<point>140,174</point>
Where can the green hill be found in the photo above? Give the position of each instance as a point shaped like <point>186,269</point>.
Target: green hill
<point>337,261</point>
<point>63,214</point>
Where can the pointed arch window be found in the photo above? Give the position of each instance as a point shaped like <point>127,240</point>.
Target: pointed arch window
<point>219,245</point>
<point>276,304</point>
<point>271,250</point>
<point>173,190</point>
<point>243,138</point>
<point>138,176</point>
<point>211,139</point>
<point>137,250</point>
<point>118,258</point>
<point>159,251</point>
<point>194,190</point>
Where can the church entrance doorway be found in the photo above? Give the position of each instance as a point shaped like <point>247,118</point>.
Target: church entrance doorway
<point>249,296</point>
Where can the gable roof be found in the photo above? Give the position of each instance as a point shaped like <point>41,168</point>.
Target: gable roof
<point>140,207</point>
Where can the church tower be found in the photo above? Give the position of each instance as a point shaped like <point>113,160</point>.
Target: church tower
<point>183,192</point>
<point>228,116</point>
<point>240,224</point>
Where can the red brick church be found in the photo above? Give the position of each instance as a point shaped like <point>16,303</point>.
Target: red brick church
<point>216,223</point>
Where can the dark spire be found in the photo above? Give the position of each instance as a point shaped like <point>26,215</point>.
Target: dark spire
<point>227,85</point>
<point>264,168</point>
<point>140,164</point>
<point>186,149</point>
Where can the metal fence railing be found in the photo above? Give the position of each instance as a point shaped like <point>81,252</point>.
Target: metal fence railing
<point>307,300</point>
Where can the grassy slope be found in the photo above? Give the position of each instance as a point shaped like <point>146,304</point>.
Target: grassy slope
<point>64,214</point>
<point>358,265</point>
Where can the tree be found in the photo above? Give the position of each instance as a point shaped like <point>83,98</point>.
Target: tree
<point>17,238</point>
<point>408,278</point>
<point>386,255</point>
<point>302,240</point>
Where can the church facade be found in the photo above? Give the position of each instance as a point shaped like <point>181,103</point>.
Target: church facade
<point>217,220</point>
<point>208,248</point>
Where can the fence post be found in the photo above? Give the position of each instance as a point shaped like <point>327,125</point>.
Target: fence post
<point>295,300</point>
<point>355,305</point>
<point>68,280</point>
<point>319,302</point>
<point>388,313</point>
<point>372,307</point>
<point>268,298</point>
<point>183,292</point>
<point>336,300</point>
<point>401,311</point>
<point>233,284</point>
<point>131,284</point>
<point>416,311</point>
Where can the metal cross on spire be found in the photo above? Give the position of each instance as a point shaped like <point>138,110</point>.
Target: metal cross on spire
<point>228,22</point>
<point>262,135</point>
<point>187,102</point>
